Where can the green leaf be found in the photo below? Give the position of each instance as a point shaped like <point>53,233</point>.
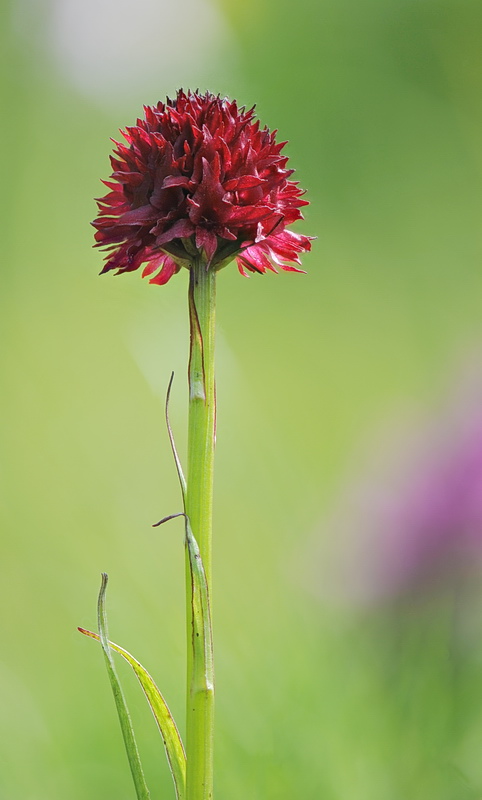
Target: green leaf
<point>201,685</point>
<point>165,721</point>
<point>202,635</point>
<point>177,460</point>
<point>124,717</point>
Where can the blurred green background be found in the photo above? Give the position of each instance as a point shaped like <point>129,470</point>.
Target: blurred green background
<point>380,100</point>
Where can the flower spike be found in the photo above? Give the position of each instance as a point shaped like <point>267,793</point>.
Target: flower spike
<point>199,177</point>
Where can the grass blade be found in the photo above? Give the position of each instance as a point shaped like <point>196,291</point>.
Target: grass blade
<point>177,460</point>
<point>123,712</point>
<point>165,721</point>
<point>201,685</point>
<point>202,636</point>
<point>199,778</point>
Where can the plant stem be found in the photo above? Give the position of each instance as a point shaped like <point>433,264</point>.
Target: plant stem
<point>199,501</point>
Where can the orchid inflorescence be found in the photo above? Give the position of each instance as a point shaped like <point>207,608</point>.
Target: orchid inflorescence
<point>199,174</point>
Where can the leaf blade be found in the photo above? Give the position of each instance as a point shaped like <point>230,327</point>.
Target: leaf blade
<point>127,729</point>
<point>172,740</point>
<point>202,638</point>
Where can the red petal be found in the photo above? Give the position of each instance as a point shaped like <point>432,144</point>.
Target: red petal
<point>138,216</point>
<point>207,241</point>
<point>244,182</point>
<point>181,229</point>
<point>153,265</point>
<point>168,270</point>
<point>246,214</point>
<point>241,268</point>
<point>175,180</point>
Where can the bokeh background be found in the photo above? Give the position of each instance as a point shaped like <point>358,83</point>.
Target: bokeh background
<point>348,524</point>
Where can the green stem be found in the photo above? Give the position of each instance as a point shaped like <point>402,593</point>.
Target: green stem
<point>199,501</point>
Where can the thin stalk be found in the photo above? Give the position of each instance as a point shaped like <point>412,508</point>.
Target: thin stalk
<point>142,791</point>
<point>199,501</point>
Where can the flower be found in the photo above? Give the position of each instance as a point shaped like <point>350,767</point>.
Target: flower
<point>199,177</point>
<point>433,524</point>
<point>411,522</point>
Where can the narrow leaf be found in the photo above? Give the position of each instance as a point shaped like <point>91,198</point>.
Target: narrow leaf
<point>124,717</point>
<point>165,722</point>
<point>202,636</point>
<point>177,460</point>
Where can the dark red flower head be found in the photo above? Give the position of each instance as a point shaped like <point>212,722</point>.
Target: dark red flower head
<point>199,177</point>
